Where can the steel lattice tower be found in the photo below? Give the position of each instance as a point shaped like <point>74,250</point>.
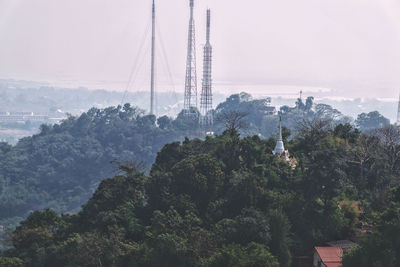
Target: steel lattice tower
<point>398,114</point>
<point>190,101</point>
<point>206,92</point>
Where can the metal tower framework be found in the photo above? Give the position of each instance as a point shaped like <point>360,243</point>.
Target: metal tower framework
<point>398,114</point>
<point>153,44</point>
<point>190,101</point>
<point>206,92</point>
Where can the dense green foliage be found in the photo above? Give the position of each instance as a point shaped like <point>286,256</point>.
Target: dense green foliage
<point>60,167</point>
<point>382,246</point>
<point>370,121</point>
<point>63,165</point>
<point>227,201</point>
<point>23,96</point>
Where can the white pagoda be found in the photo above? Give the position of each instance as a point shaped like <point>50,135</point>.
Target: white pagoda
<point>280,147</point>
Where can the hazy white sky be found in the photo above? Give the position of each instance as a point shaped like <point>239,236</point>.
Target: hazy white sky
<point>350,46</point>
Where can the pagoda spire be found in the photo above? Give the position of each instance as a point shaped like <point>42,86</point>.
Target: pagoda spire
<point>280,147</point>
<point>280,129</point>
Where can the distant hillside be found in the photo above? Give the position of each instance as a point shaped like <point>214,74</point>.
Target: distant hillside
<point>61,166</point>
<point>40,98</point>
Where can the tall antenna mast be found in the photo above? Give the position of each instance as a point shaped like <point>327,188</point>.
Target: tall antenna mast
<point>206,93</point>
<point>153,44</point>
<point>398,114</point>
<point>190,100</point>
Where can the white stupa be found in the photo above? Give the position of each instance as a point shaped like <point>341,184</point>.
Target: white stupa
<point>280,147</point>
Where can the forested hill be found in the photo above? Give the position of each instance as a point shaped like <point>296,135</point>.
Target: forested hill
<point>227,201</point>
<point>61,167</point>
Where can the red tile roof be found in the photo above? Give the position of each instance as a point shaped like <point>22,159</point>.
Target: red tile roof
<point>331,255</point>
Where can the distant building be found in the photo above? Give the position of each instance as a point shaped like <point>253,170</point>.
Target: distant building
<point>327,257</point>
<point>22,117</point>
<point>270,111</point>
<point>266,107</point>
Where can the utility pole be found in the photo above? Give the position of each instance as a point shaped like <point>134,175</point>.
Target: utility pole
<point>153,44</point>
<point>398,113</point>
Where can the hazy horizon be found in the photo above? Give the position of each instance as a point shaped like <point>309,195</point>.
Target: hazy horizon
<point>336,48</point>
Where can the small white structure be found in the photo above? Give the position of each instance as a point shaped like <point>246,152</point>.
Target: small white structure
<point>280,147</point>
